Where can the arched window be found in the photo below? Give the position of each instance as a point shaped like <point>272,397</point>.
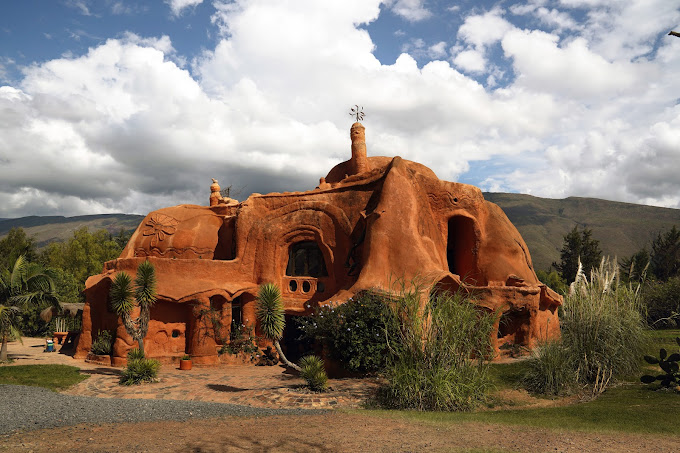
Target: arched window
<point>306,260</point>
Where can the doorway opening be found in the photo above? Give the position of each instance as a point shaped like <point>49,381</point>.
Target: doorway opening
<point>461,247</point>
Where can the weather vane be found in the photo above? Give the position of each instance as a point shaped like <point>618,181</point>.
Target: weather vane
<point>358,112</point>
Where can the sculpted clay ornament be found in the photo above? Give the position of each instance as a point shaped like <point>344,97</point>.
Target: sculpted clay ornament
<point>371,220</point>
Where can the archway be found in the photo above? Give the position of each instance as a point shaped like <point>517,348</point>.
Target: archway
<point>461,248</point>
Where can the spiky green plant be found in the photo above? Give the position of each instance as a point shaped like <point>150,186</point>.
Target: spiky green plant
<point>271,317</point>
<point>135,354</point>
<point>138,371</point>
<point>124,298</point>
<point>313,372</point>
<point>103,344</point>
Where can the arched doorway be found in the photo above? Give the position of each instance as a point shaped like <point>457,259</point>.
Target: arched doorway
<point>461,248</point>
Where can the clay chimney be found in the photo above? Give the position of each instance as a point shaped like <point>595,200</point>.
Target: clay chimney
<point>359,161</point>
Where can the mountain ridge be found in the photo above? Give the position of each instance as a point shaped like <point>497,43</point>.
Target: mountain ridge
<point>622,228</point>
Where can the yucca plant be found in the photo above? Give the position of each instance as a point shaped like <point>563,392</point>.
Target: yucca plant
<point>271,317</point>
<point>124,298</point>
<point>313,372</point>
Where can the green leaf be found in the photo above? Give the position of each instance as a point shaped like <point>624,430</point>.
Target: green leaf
<point>121,294</point>
<point>675,357</point>
<point>145,285</point>
<point>647,379</point>
<point>650,359</point>
<point>662,353</point>
<point>270,311</point>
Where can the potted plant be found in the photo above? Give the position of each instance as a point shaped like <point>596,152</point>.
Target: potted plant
<point>185,362</point>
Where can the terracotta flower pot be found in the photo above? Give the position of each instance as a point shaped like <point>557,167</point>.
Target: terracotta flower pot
<point>184,364</point>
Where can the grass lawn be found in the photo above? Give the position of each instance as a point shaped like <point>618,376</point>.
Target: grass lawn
<point>631,407</point>
<point>53,377</point>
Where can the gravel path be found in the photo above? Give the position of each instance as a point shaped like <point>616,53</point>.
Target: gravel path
<point>24,408</point>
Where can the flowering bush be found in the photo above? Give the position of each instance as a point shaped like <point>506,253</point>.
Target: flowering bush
<point>354,333</point>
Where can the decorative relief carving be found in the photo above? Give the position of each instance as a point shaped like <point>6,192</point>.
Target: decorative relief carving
<point>172,252</point>
<point>158,226</point>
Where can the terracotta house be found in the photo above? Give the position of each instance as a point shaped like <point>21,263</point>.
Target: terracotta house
<point>370,221</point>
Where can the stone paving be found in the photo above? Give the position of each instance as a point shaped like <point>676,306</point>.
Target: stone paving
<point>257,386</point>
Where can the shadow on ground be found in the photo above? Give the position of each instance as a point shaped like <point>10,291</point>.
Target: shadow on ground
<point>225,388</point>
<point>102,371</point>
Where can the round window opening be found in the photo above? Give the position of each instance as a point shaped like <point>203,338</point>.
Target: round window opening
<point>306,286</point>
<point>175,334</point>
<point>292,286</point>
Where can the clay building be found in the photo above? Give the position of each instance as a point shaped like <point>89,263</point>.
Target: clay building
<point>370,221</point>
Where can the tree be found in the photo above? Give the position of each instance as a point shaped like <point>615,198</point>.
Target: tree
<point>578,246</point>
<point>553,280</point>
<point>15,244</point>
<point>271,316</point>
<point>84,254</point>
<point>634,267</point>
<point>124,298</point>
<point>26,283</point>
<point>665,259</point>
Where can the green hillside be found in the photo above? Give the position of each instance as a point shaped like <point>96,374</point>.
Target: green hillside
<point>57,228</point>
<point>621,228</point>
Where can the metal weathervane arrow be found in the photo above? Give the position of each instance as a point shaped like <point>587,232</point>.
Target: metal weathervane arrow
<point>357,112</point>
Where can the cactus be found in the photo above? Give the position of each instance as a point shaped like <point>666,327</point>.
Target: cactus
<point>668,364</point>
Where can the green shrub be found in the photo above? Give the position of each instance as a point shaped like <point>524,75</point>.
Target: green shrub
<point>139,371</point>
<point>550,370</point>
<point>603,327</point>
<point>603,334</point>
<point>662,300</point>
<point>103,344</point>
<point>553,280</point>
<point>354,333</point>
<point>135,354</point>
<point>313,372</point>
<point>241,339</point>
<point>437,355</point>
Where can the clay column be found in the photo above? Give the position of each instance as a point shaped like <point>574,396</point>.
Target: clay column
<point>202,346</point>
<point>359,161</point>
<point>248,308</point>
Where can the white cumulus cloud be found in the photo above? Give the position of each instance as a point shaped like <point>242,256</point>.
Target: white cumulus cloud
<point>179,6</point>
<point>126,127</point>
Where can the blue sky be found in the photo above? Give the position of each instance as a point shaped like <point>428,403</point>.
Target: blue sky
<point>125,106</point>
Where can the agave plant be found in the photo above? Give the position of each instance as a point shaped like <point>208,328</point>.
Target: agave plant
<point>313,372</point>
<point>669,365</point>
<point>271,317</point>
<point>124,298</point>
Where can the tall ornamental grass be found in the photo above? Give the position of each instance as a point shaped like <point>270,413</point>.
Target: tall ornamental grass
<point>603,334</point>
<point>437,353</point>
